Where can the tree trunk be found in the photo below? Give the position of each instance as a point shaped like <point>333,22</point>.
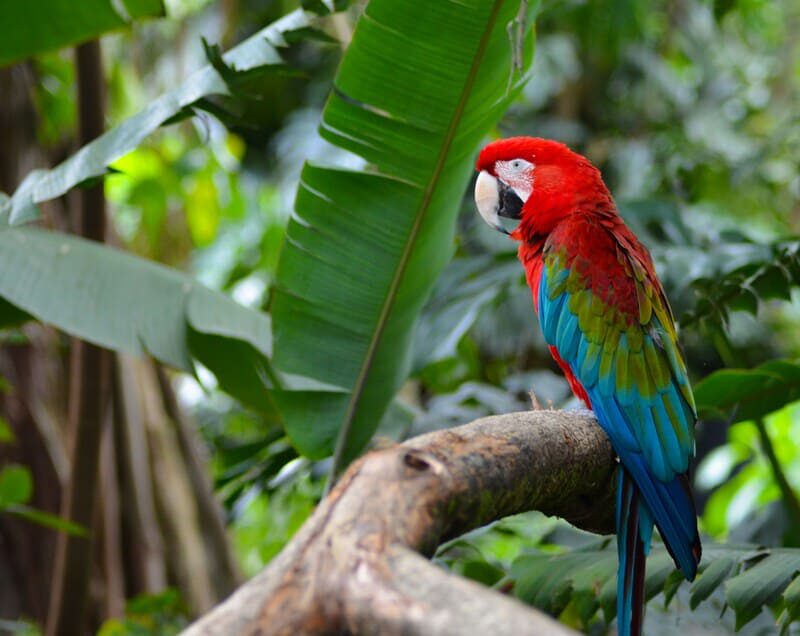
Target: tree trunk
<point>89,393</point>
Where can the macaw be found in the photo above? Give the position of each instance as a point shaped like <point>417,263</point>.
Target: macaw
<point>606,319</point>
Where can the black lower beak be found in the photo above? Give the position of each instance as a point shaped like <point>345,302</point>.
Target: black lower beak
<point>510,203</point>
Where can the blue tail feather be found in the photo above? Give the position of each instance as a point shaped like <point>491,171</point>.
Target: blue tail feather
<point>632,552</point>
<point>673,510</point>
<point>669,502</point>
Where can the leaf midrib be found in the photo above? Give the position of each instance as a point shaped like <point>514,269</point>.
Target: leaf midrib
<point>361,379</point>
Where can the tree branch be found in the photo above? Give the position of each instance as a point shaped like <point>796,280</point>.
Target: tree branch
<point>351,569</point>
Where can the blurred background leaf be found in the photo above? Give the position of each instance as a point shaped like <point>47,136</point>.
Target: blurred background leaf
<point>38,26</point>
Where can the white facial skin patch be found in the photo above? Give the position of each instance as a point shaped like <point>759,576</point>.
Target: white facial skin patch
<point>487,198</point>
<point>518,174</point>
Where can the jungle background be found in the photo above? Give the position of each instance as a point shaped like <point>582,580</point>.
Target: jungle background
<point>216,424</point>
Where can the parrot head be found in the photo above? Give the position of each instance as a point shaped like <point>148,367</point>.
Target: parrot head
<point>538,182</point>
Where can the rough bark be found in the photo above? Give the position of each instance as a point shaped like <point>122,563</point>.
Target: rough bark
<point>352,568</point>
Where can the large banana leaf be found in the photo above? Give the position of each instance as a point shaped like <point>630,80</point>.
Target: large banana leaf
<point>129,304</point>
<point>33,26</point>
<point>418,89</point>
<point>258,52</point>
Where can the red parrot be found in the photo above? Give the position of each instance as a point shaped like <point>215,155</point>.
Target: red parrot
<point>608,324</point>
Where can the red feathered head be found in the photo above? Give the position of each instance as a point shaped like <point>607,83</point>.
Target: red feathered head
<point>538,181</point>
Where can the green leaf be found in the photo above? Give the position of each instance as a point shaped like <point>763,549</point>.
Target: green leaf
<point>761,584</point>
<point>465,288</point>
<point>773,272</point>
<point>774,282</point>
<point>659,568</point>
<point>671,585</point>
<point>549,581</point>
<point>745,394</point>
<point>36,26</point>
<point>93,160</point>
<point>364,249</point>
<point>744,300</point>
<point>710,579</point>
<point>317,6</point>
<point>42,518</point>
<point>481,571</point>
<point>6,432</point>
<point>129,304</point>
<point>11,316</point>
<point>791,601</point>
<point>16,486</point>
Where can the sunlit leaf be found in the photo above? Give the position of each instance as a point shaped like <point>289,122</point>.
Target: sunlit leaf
<point>6,432</point>
<point>42,518</point>
<point>202,209</point>
<point>16,485</point>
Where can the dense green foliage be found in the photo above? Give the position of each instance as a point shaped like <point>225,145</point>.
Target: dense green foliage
<point>386,308</point>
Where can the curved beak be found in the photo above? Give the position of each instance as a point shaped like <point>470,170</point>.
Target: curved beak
<point>495,199</point>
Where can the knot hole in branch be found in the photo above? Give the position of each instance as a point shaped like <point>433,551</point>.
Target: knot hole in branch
<point>416,460</point>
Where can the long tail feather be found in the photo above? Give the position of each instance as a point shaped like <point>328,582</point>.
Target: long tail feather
<point>631,521</point>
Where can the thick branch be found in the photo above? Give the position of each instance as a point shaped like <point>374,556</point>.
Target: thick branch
<point>350,568</point>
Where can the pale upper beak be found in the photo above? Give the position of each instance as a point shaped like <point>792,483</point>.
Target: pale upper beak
<point>495,199</point>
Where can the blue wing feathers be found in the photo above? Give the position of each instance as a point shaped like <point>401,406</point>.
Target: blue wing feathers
<point>648,421</point>
<point>588,364</point>
<point>608,412</point>
<point>567,335</point>
<point>626,396</point>
<point>677,458</point>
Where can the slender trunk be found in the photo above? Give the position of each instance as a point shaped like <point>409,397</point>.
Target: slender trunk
<point>210,515</point>
<point>26,549</point>
<point>90,368</point>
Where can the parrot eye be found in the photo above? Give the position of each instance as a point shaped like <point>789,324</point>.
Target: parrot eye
<point>520,165</point>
